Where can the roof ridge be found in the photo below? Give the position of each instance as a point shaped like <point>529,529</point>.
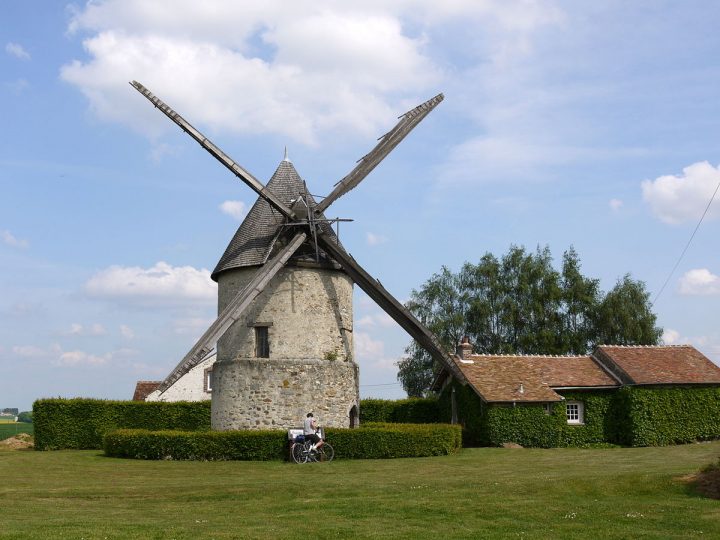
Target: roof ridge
<point>516,355</point>
<point>646,346</point>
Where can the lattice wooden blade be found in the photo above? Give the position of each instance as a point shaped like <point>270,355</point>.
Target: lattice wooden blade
<point>215,151</point>
<point>232,312</point>
<point>387,142</point>
<point>389,304</point>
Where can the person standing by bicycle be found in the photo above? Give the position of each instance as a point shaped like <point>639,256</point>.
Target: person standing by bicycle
<point>310,428</point>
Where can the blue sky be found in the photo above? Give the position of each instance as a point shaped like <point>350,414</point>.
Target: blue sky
<point>564,124</point>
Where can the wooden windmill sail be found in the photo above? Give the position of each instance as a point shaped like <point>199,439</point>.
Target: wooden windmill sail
<point>296,226</point>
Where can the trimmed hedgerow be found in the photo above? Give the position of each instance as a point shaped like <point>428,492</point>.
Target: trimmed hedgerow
<point>372,442</point>
<point>390,440</point>
<point>661,416</point>
<point>81,423</point>
<point>403,411</point>
<point>196,445</point>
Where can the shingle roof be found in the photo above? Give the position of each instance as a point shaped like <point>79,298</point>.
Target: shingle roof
<point>144,388</point>
<point>254,239</point>
<point>530,378</point>
<point>671,364</point>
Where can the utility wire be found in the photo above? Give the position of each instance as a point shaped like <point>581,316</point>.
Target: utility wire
<point>384,384</point>
<point>686,246</point>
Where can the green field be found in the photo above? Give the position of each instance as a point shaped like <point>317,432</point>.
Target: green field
<point>479,493</point>
<point>11,429</point>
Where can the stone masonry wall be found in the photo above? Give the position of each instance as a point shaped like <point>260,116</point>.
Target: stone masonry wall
<point>277,394</point>
<point>308,311</point>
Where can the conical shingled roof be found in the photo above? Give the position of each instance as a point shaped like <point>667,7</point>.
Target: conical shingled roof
<point>255,237</point>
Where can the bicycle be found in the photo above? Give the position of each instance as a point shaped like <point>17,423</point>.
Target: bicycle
<point>302,451</point>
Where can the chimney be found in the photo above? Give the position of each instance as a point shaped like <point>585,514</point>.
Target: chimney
<point>464,350</point>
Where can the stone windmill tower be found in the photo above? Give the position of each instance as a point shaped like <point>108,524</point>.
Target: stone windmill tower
<point>292,350</point>
<point>284,329</point>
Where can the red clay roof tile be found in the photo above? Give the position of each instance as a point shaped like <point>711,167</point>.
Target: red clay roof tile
<point>672,364</point>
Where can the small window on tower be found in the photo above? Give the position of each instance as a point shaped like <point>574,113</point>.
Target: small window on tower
<point>262,343</point>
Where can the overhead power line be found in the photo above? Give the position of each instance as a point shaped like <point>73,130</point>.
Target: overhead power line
<point>677,263</point>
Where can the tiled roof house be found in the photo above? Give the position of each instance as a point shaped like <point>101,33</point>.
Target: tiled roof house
<point>587,399</point>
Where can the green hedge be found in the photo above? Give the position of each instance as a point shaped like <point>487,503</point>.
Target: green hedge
<point>196,445</point>
<point>81,423</point>
<point>661,416</point>
<point>372,442</point>
<point>403,411</point>
<point>389,440</point>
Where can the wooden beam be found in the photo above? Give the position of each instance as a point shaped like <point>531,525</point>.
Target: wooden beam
<point>374,289</point>
<point>387,143</point>
<point>218,154</point>
<point>232,312</point>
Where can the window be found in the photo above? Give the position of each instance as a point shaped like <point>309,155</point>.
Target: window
<point>547,407</point>
<point>575,412</point>
<point>208,380</point>
<point>262,343</point>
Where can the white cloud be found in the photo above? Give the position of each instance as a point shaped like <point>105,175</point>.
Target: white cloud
<point>17,51</point>
<point>92,330</point>
<point>699,281</point>
<point>17,86</point>
<point>380,319</point>
<point>301,68</point>
<point>375,239</point>
<point>161,284</point>
<point>80,358</point>
<point>675,199</point>
<point>29,351</point>
<point>193,326</point>
<point>615,204</point>
<point>159,151</point>
<point>670,336</point>
<point>126,332</point>
<point>234,209</point>
<point>367,348</point>
<point>9,239</point>
<point>371,355</point>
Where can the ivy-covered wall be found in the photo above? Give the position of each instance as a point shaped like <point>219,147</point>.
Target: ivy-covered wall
<point>661,416</point>
<point>633,416</point>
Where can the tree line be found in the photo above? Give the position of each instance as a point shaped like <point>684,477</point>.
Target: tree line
<point>520,304</point>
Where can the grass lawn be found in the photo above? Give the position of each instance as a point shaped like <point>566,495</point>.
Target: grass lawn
<point>8,429</point>
<point>478,493</point>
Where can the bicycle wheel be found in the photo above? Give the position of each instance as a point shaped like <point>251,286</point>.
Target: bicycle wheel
<point>298,453</point>
<point>310,455</point>
<point>325,453</point>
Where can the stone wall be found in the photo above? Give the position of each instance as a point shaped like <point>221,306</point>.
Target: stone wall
<point>263,393</point>
<point>308,312</point>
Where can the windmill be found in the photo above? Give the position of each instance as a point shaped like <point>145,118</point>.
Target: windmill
<point>285,263</point>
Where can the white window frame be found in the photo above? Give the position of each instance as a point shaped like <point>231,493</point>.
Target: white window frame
<point>207,380</point>
<point>575,411</point>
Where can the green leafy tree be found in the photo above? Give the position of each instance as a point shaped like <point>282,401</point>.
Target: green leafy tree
<point>25,416</point>
<point>520,304</point>
<point>440,307</point>
<point>624,316</point>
